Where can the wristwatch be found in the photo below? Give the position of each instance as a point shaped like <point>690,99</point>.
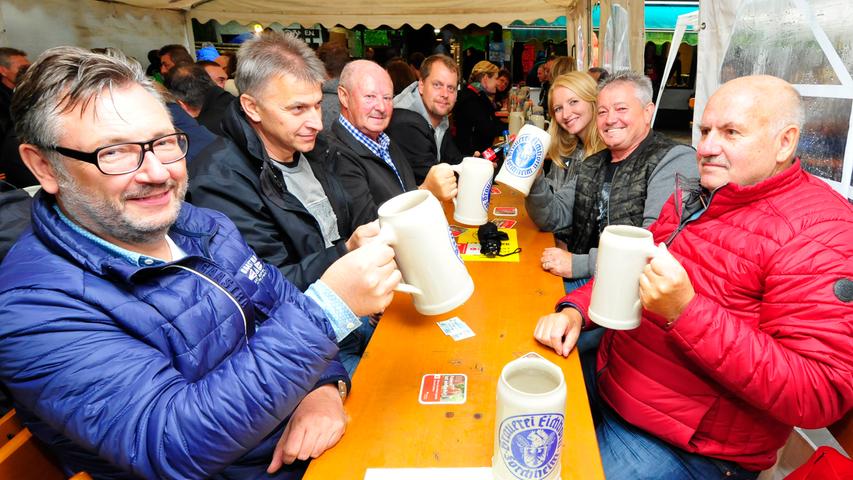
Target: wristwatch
<point>342,389</point>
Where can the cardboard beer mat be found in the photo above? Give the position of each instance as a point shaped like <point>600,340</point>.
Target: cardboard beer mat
<point>463,473</point>
<point>443,389</point>
<point>503,223</point>
<point>469,247</point>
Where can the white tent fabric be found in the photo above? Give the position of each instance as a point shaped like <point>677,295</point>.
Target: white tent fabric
<point>370,13</point>
<point>810,49</point>
<point>688,19</point>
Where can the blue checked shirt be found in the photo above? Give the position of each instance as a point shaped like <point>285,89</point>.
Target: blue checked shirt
<point>379,149</point>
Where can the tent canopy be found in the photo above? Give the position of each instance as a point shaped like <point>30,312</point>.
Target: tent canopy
<point>370,13</point>
<point>657,17</point>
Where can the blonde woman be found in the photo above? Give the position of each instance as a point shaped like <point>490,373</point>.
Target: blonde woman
<point>574,136</point>
<point>474,113</point>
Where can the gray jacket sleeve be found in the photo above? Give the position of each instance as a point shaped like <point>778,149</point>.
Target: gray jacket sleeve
<point>583,265</point>
<point>551,200</point>
<point>681,159</point>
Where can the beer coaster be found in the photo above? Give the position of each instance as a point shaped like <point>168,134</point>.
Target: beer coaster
<point>505,211</point>
<point>456,230</point>
<point>443,389</point>
<point>502,223</point>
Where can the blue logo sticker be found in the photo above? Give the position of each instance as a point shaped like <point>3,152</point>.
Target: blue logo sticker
<point>254,269</point>
<point>453,245</point>
<point>486,196</point>
<point>530,444</point>
<point>525,156</point>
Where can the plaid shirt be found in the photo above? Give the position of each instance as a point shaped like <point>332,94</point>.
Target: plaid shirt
<point>379,149</point>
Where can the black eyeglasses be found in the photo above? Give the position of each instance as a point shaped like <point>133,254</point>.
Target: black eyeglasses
<point>121,158</point>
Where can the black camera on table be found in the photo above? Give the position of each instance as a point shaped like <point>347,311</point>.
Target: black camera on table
<point>490,239</point>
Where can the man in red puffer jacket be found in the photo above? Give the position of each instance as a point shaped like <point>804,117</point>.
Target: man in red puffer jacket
<point>747,325</point>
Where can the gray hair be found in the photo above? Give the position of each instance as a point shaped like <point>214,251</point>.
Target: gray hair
<point>6,54</point>
<point>274,54</point>
<point>63,78</point>
<point>793,112</point>
<point>642,84</point>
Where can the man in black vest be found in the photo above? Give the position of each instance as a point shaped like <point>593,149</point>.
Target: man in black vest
<point>626,184</point>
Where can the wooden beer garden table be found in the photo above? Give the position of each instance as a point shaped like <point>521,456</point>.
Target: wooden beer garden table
<point>389,428</point>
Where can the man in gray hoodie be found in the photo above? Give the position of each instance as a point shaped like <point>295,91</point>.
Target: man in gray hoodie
<point>420,124</point>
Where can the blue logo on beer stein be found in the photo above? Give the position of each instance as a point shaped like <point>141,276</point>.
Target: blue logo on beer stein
<point>454,246</point>
<point>525,156</point>
<point>530,444</point>
<point>486,196</point>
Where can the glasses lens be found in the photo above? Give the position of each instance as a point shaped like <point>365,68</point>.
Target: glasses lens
<point>171,148</point>
<point>121,158</point>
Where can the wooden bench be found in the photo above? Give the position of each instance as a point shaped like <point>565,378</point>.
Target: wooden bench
<point>23,457</point>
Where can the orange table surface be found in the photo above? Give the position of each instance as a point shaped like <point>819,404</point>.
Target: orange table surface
<point>389,428</point>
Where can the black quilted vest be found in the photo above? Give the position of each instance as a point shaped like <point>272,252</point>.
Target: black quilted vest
<point>627,191</point>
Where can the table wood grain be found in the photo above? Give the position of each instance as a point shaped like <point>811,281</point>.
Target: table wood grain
<point>389,428</point>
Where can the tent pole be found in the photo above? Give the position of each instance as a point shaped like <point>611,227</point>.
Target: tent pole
<point>4,40</point>
<point>189,36</point>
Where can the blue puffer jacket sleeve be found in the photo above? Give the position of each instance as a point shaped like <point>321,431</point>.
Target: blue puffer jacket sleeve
<point>113,388</point>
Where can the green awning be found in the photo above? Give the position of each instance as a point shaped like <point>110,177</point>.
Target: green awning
<point>657,17</point>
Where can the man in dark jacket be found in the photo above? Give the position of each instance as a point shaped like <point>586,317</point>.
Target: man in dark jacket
<point>140,336</point>
<point>420,124</point>
<point>14,215</point>
<point>12,61</point>
<point>272,181</point>
<point>199,96</point>
<point>370,164</point>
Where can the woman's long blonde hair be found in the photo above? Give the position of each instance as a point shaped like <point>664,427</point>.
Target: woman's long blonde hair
<point>564,143</point>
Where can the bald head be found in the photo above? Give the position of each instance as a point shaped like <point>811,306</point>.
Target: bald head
<point>366,94</point>
<point>359,68</point>
<point>749,131</point>
<point>771,99</point>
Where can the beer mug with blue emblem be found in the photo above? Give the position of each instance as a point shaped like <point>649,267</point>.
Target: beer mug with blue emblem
<point>524,159</point>
<point>531,407</point>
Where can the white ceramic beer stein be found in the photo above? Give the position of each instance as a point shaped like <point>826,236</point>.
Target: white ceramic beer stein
<point>413,224</point>
<point>471,205</point>
<point>623,252</point>
<point>516,121</point>
<point>524,159</point>
<point>531,408</point>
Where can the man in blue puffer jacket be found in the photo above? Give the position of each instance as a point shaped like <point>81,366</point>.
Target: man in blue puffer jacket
<point>141,336</point>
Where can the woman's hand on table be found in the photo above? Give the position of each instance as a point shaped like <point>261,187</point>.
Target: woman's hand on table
<point>559,330</point>
<point>557,261</point>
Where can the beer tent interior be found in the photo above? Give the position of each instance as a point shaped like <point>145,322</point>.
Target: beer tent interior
<point>807,42</point>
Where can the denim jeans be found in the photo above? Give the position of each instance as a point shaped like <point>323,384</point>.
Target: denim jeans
<point>571,284</point>
<point>630,453</point>
<point>353,345</point>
